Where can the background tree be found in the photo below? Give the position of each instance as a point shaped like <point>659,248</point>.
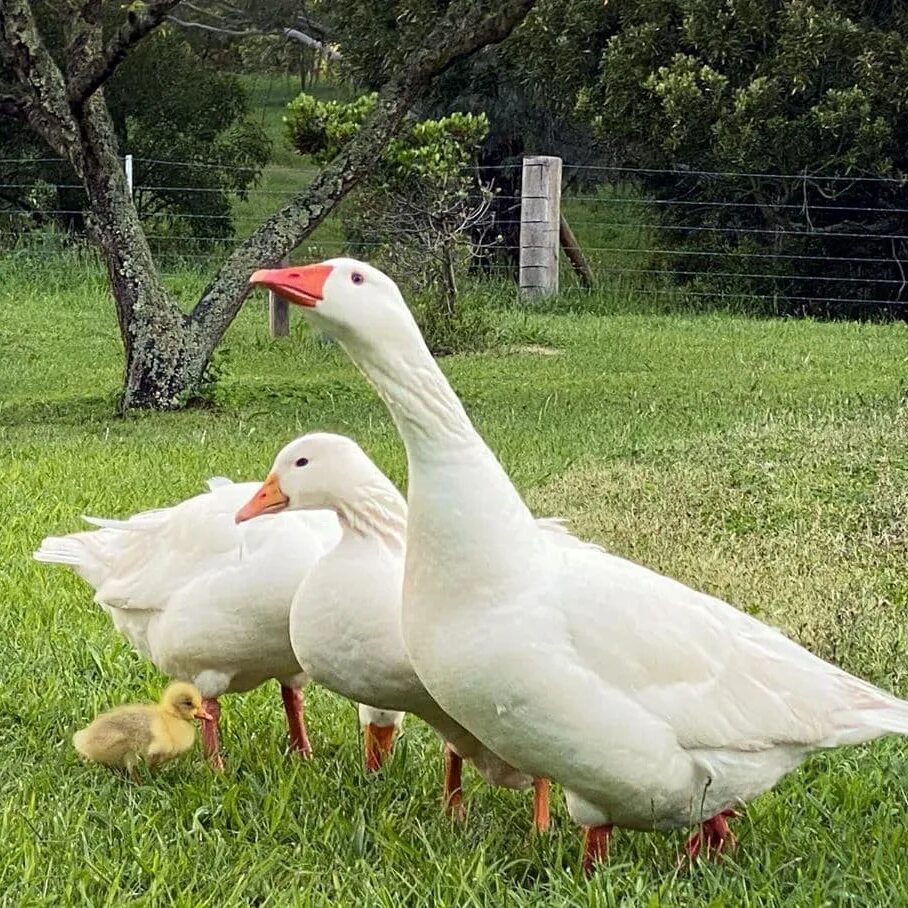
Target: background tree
<point>527,88</point>
<point>166,102</point>
<point>60,96</point>
<point>810,88</point>
<point>423,211</point>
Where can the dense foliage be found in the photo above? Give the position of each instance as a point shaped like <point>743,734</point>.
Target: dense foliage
<point>812,89</point>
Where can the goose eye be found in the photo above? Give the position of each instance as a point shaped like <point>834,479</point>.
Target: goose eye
<point>356,277</point>
<point>302,461</point>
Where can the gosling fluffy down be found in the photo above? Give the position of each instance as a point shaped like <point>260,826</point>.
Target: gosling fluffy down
<point>144,732</point>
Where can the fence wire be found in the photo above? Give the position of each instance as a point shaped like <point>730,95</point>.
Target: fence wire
<point>794,241</point>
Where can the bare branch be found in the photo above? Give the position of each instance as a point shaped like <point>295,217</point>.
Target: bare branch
<point>97,69</point>
<point>217,29</point>
<point>238,25</point>
<point>230,27</point>
<point>293,34</point>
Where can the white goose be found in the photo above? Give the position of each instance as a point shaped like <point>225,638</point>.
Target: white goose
<point>345,620</point>
<point>204,600</point>
<point>655,705</point>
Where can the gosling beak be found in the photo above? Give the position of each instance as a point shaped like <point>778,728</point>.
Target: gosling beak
<point>302,285</point>
<point>268,500</point>
<point>202,713</point>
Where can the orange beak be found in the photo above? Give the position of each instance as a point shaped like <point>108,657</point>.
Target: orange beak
<point>202,713</point>
<point>268,500</point>
<point>302,285</point>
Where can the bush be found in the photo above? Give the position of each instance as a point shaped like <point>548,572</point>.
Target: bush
<point>811,90</point>
<point>423,213</point>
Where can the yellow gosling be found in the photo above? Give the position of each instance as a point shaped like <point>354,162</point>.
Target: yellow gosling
<point>143,732</point>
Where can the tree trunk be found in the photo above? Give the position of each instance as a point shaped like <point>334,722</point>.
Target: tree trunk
<point>449,281</point>
<point>165,358</point>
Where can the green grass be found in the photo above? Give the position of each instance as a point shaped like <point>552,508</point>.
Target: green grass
<point>762,460</point>
<point>287,173</point>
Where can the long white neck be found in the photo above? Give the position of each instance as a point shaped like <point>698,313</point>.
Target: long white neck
<point>435,428</point>
<point>429,415</point>
<point>374,509</point>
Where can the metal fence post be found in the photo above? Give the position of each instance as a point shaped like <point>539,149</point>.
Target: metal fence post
<point>540,216</point>
<point>279,311</point>
<point>127,166</point>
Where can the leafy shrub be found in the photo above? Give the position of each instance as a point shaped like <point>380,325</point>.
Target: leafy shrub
<point>423,213</point>
<point>729,93</point>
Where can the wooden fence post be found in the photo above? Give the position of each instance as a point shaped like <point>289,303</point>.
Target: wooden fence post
<point>540,217</point>
<point>279,311</point>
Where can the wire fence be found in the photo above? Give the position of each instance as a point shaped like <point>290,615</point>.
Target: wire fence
<point>777,241</point>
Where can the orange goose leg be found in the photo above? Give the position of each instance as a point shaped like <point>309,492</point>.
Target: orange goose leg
<point>296,720</point>
<point>379,741</point>
<point>210,742</point>
<point>595,846</point>
<point>541,805</point>
<point>714,835</point>
<point>453,787</point>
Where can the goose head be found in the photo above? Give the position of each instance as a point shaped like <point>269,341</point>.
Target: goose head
<point>350,300</point>
<point>318,471</point>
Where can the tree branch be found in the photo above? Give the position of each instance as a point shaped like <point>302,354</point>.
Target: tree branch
<point>230,28</point>
<point>42,97</point>
<point>465,29</point>
<point>96,70</point>
<point>294,34</point>
<point>218,30</point>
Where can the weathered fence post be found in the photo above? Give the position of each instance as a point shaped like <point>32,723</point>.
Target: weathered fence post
<point>540,216</point>
<point>279,311</point>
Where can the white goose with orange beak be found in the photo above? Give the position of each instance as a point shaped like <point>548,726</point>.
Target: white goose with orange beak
<point>207,601</point>
<point>655,705</point>
<point>345,623</point>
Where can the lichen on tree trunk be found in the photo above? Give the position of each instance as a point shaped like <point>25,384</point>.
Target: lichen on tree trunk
<point>164,370</point>
<point>165,358</point>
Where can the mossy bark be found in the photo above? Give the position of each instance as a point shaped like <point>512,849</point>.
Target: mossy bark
<point>164,352</point>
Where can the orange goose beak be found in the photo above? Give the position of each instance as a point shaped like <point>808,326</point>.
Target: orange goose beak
<point>269,499</point>
<point>302,285</point>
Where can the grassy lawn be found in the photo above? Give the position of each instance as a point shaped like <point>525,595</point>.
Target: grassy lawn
<point>765,461</point>
<point>287,173</point>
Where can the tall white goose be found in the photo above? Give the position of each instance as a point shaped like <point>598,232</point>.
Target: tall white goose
<point>204,600</point>
<point>345,620</point>
<point>655,705</point>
